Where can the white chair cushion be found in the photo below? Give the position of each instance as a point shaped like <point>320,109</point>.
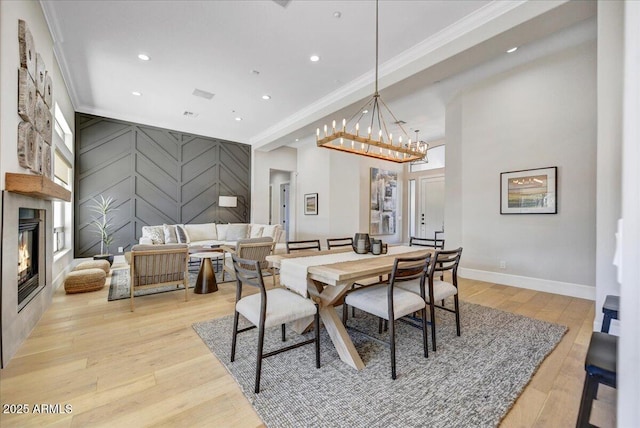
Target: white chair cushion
<point>374,301</point>
<point>283,306</point>
<point>441,289</point>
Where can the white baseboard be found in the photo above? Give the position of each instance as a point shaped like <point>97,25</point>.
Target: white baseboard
<point>537,284</point>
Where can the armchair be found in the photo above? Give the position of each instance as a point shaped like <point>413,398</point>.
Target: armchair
<point>251,249</point>
<point>155,266</point>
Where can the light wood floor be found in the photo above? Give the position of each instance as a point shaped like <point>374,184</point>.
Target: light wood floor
<point>149,368</point>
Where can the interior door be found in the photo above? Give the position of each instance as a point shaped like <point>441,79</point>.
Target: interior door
<point>431,207</point>
<point>284,208</point>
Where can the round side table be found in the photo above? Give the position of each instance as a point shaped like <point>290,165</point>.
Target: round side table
<point>206,282</point>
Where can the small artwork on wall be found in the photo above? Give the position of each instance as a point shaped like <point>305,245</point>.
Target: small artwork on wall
<point>531,191</point>
<point>384,201</point>
<point>311,204</point>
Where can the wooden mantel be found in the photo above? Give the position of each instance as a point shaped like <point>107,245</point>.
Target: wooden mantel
<point>36,186</point>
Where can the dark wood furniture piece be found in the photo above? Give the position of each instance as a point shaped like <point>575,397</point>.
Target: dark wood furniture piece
<point>610,309</point>
<point>600,367</point>
<point>269,308</point>
<point>426,242</point>
<point>206,281</point>
<point>387,302</point>
<point>339,242</point>
<point>437,290</point>
<point>310,244</point>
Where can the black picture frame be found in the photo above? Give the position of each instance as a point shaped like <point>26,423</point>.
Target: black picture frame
<point>529,191</point>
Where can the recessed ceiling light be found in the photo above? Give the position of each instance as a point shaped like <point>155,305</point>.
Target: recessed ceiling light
<point>255,72</point>
<point>136,93</point>
<point>238,118</point>
<point>314,58</point>
<point>297,139</point>
<point>266,97</point>
<point>337,14</point>
<point>144,57</point>
<point>365,111</point>
<point>513,49</point>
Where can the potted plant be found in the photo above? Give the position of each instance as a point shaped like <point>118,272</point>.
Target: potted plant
<point>102,223</point>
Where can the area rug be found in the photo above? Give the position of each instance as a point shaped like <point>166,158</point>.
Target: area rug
<point>470,381</point>
<point>120,289</point>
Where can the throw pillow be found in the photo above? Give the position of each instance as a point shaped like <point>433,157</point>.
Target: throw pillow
<point>255,231</point>
<point>170,234</point>
<point>181,234</point>
<point>271,230</point>
<point>237,231</point>
<point>221,228</point>
<point>201,232</point>
<point>155,233</point>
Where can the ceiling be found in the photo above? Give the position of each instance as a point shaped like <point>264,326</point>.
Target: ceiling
<point>241,50</point>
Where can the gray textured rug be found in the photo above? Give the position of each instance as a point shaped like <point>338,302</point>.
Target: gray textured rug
<point>119,287</point>
<point>470,381</point>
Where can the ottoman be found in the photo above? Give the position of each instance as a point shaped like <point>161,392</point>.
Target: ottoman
<point>81,281</point>
<point>94,264</point>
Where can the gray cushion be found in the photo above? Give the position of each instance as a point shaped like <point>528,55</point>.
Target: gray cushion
<point>170,234</point>
<point>374,300</point>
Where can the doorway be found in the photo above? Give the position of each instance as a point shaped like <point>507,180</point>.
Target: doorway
<point>284,208</point>
<point>430,215</point>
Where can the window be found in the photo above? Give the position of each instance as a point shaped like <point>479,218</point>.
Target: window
<point>62,175</point>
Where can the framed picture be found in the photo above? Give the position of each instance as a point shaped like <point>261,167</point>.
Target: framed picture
<point>384,202</point>
<point>311,204</point>
<point>531,191</point>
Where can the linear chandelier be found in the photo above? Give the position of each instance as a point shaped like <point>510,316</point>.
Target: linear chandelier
<point>377,142</point>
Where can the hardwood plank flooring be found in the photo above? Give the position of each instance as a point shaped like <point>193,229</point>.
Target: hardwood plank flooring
<point>149,368</point>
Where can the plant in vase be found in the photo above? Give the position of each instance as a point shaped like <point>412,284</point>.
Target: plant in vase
<point>102,223</point>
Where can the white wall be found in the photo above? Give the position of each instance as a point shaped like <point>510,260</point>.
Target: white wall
<point>31,13</point>
<point>609,187</point>
<point>538,115</point>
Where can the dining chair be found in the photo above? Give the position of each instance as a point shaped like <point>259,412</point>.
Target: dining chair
<point>339,242</point>
<point>439,290</point>
<point>431,243</point>
<point>426,242</point>
<point>388,302</point>
<point>311,244</point>
<point>269,308</point>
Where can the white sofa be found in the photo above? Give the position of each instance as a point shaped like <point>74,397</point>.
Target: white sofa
<point>211,234</point>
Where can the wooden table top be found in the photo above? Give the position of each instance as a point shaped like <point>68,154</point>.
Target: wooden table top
<point>348,271</point>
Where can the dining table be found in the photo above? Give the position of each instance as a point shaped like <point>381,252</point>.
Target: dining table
<point>327,276</point>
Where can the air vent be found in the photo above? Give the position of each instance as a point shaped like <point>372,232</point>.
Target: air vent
<point>190,114</point>
<point>202,94</point>
<point>283,3</point>
<point>400,122</point>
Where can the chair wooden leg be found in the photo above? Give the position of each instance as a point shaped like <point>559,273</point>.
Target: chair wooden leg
<point>379,325</point>
<point>425,344</point>
<point>457,306</point>
<point>392,344</point>
<point>317,328</point>
<point>284,333</point>
<point>345,313</point>
<point>589,392</point>
<point>235,336</point>
<point>259,359</point>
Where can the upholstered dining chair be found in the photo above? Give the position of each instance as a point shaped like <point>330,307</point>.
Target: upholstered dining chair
<point>157,266</point>
<point>388,302</point>
<point>253,249</point>
<point>431,243</point>
<point>437,290</point>
<point>269,308</point>
<point>310,244</point>
<point>426,242</point>
<point>339,242</point>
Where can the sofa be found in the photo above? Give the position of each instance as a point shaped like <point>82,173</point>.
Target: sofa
<point>215,234</point>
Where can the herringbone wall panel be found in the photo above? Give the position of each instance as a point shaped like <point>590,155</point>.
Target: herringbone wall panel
<point>156,176</point>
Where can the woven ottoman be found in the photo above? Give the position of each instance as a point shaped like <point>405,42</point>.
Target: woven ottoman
<point>94,264</point>
<point>81,281</point>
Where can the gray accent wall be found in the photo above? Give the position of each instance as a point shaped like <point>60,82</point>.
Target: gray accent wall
<point>156,176</point>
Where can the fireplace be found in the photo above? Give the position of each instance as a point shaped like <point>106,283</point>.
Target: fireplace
<point>28,253</point>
